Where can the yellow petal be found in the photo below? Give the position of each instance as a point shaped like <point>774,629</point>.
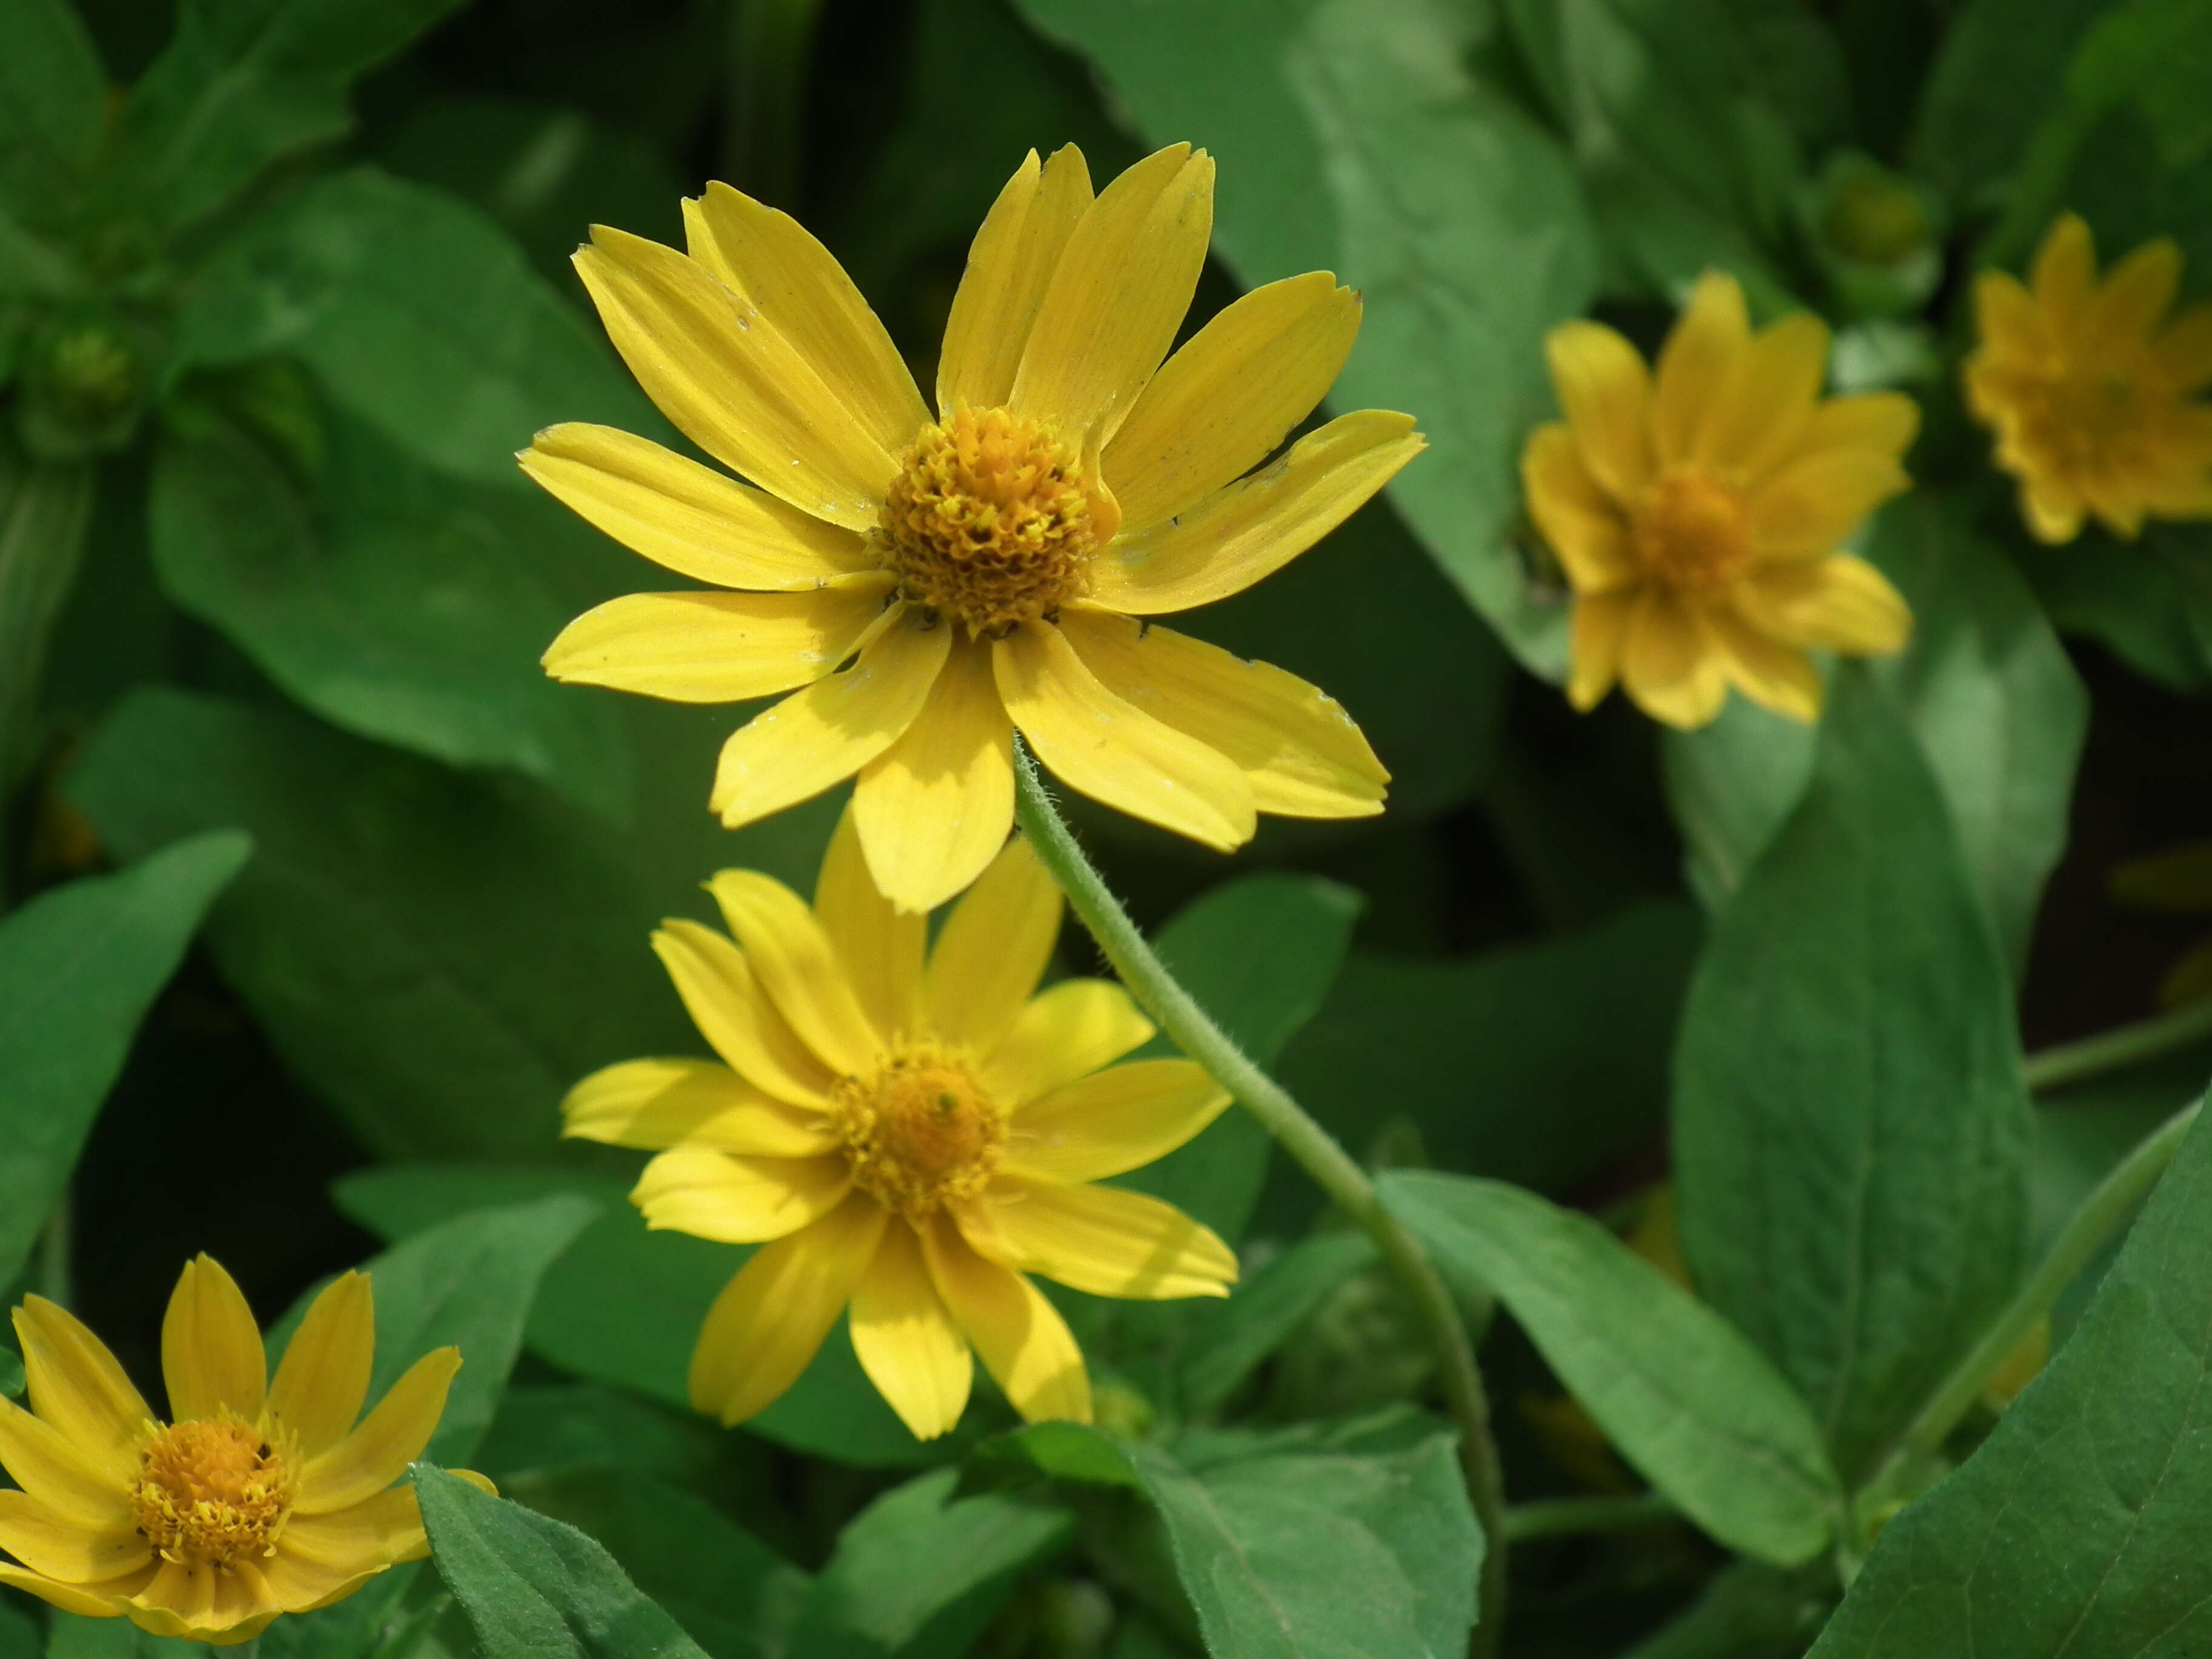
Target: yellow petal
<point>738,1200</point>
<point>1580,522</point>
<point>1667,664</point>
<point>659,1103</point>
<point>731,380</point>
<point>879,947</point>
<point>1605,391</point>
<point>1804,510</point>
<point>1298,749</point>
<point>1771,674</point>
<point>47,1465</point>
<point>1096,742</point>
<point>219,1608</point>
<point>323,1558</point>
<point>1695,367</point>
<point>2064,277</point>
<point>1112,1120</point>
<point>771,1317</point>
<point>64,1549</point>
<point>2184,350</point>
<point>773,260</point>
<point>993,950</point>
<point>934,808</point>
<point>1022,1341</point>
<point>1598,625</point>
<point>1839,604</point>
<point>1219,406</point>
<point>1065,1032</point>
<point>796,964</point>
<point>1119,291</point>
<point>1099,1239</point>
<point>1883,422</point>
<point>1253,528</point>
<point>906,1341</point>
<point>211,1355</point>
<point>99,1600</point>
<point>736,1016</point>
<point>74,1384</point>
<point>1770,398</point>
<point>392,1436</point>
<point>2137,293</point>
<point>2006,319</point>
<point>689,517</point>
<point>322,1378</point>
<point>825,733</point>
<point>2053,508</point>
<point>716,648</point>
<point>1009,267</point>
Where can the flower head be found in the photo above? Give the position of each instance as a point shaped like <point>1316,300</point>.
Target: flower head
<point>1697,510</point>
<point>925,585</point>
<point>909,1134</point>
<point>256,1498</point>
<point>2091,389</point>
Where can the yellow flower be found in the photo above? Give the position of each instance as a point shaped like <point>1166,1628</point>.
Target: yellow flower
<point>933,585</point>
<point>910,1137</point>
<point>2090,389</point>
<point>257,1499</point>
<point>1697,510</point>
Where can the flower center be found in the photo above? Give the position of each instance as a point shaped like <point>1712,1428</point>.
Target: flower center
<point>920,1133</point>
<point>988,520</point>
<point>210,1490</point>
<point>1692,533</point>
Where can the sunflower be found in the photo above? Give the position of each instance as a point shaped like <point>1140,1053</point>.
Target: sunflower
<point>257,1498</point>
<point>910,1137</point>
<point>931,587</point>
<point>1697,510</point>
<point>2091,386</point>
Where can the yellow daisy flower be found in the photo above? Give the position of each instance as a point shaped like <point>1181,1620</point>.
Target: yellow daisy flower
<point>2091,389</point>
<point>933,585</point>
<point>909,1136</point>
<point>1697,509</point>
<point>257,1499</point>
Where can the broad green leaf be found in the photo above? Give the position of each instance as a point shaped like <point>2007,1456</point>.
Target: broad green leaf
<point>2002,65</point>
<point>562,1428</point>
<point>534,1588</point>
<point>1350,137</point>
<point>420,314</point>
<point>2078,1527</point>
<point>440,956</point>
<point>1749,1611</point>
<point>1677,1391</point>
<point>20,1636</point>
<point>2150,601</point>
<point>1850,1130</point>
<point>920,1572</point>
<point>1263,1313</point>
<point>1731,787</point>
<point>387,598</point>
<point>79,967</point>
<point>244,82</point>
<point>69,1636</point>
<point>53,99</point>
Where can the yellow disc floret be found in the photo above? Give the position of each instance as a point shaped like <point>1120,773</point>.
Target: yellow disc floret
<point>1692,533</point>
<point>920,1133</point>
<point>211,1490</point>
<point>989,520</point>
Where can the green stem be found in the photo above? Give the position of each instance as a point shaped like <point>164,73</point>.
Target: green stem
<point>2122,1046</point>
<point>771,46</point>
<point>1193,1031</point>
<point>1563,1517</point>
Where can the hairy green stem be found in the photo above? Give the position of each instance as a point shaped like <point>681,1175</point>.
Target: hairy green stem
<point>771,46</point>
<point>1564,1517</point>
<point>2122,1046</point>
<point>1193,1031</point>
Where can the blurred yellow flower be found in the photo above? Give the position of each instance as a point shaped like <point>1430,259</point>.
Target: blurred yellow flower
<point>2091,389</point>
<point>933,585</point>
<point>907,1136</point>
<point>1697,510</point>
<point>257,1499</point>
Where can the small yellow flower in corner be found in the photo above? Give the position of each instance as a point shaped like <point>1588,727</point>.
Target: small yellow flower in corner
<point>909,1134</point>
<point>2092,390</point>
<point>925,585</point>
<point>1697,510</point>
<point>257,1499</point>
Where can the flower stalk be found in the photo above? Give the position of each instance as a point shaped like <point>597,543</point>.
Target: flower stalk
<point>1178,1014</point>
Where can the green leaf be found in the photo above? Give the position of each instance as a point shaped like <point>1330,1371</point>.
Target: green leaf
<point>53,105</point>
<point>420,315</point>
<point>388,599</point>
<point>1680,1392</point>
<point>79,967</point>
<point>246,82</point>
<point>45,515</point>
<point>1749,1611</point>
<point>437,956</point>
<point>2150,601</point>
<point>2002,65</point>
<point>20,1637</point>
<point>1350,137</point>
<point>1851,1131</point>
<point>920,1572</point>
<point>2078,1527</point>
<point>1263,1313</point>
<point>534,1588</point>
